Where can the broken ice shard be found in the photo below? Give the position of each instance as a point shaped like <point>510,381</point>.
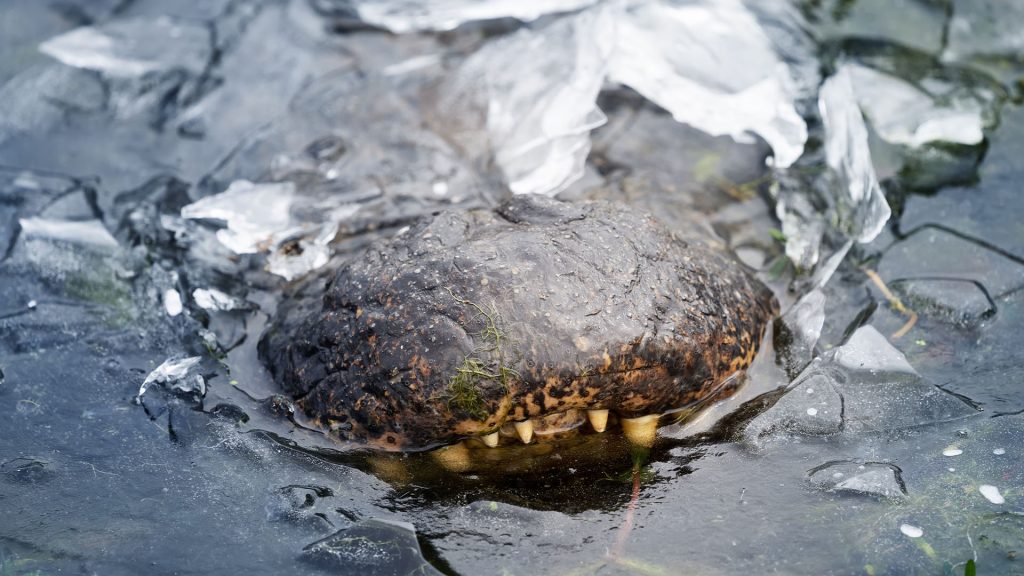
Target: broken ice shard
<point>131,48</point>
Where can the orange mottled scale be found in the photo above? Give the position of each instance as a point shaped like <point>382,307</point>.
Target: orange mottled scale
<point>556,306</point>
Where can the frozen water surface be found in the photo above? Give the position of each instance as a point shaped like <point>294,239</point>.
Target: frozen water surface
<point>169,171</point>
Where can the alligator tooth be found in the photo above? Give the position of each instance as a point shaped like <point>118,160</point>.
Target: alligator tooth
<point>642,430</point>
<point>525,430</point>
<point>454,458</point>
<point>491,440</point>
<point>598,419</point>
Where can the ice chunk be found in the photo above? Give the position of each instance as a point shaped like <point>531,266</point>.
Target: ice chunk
<point>991,493</point>
<point>867,350</point>
<point>175,374</point>
<point>253,213</point>
<point>865,385</point>
<point>861,204</point>
<point>871,478</point>
<point>385,547</point>
<point>539,91</point>
<point>911,531</point>
<point>88,232</point>
<point>213,299</point>
<point>172,302</point>
<point>537,88</point>
<point>674,54</point>
<point>293,258</point>
<point>131,48</point>
<point>798,330</point>
<point>415,15</point>
<point>904,114</point>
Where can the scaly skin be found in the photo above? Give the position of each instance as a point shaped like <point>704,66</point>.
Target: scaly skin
<point>471,320</point>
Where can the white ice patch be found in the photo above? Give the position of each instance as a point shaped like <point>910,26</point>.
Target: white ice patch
<point>404,16</point>
<point>991,493</point>
<point>258,218</point>
<point>88,232</point>
<point>253,213</point>
<point>130,48</point>
<point>175,374</point>
<point>911,531</point>
<point>952,451</point>
<point>213,299</point>
<point>904,114</point>
<point>172,302</point>
<point>711,65</point>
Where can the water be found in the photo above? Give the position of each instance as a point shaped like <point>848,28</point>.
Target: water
<point>860,452</point>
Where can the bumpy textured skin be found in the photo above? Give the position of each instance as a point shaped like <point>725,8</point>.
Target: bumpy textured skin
<point>597,306</point>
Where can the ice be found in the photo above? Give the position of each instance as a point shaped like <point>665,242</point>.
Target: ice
<point>85,232</point>
<point>172,302</point>
<point>404,16</point>
<point>870,478</point>
<point>911,531</point>
<point>253,213</point>
<point>862,205</point>
<point>904,114</point>
<point>535,90</point>
<point>865,385</point>
<point>674,54</point>
<point>798,330</point>
<point>213,299</point>
<point>176,374</point>
<point>131,48</point>
<point>377,546</point>
<point>991,493</point>
<point>539,90</point>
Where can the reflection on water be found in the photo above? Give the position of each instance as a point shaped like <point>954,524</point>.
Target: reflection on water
<point>135,252</point>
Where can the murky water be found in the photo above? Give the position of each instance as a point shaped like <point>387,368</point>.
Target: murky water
<point>860,443</point>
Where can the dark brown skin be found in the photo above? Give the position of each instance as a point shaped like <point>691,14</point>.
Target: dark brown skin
<point>470,320</point>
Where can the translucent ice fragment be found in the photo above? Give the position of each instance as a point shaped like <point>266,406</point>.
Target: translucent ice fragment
<point>176,374</point>
<point>904,114</point>
<point>213,299</point>
<point>539,90</point>
<point>253,213</point>
<point>711,65</point>
<point>89,232</point>
<point>861,204</point>
<point>414,15</point>
<point>130,48</point>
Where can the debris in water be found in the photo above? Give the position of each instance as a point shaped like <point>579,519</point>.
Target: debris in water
<point>991,493</point>
<point>999,451</point>
<point>952,451</point>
